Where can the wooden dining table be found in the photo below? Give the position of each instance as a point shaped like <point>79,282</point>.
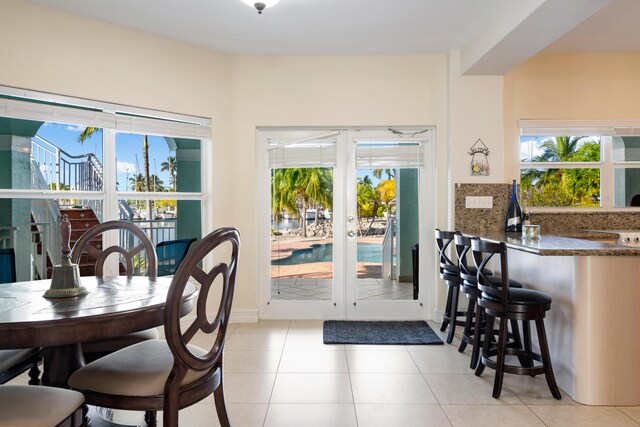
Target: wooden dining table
<point>114,306</point>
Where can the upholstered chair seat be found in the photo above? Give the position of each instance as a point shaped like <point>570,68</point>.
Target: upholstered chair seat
<point>39,406</point>
<point>138,370</point>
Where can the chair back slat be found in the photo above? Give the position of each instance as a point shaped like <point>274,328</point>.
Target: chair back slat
<point>483,251</point>
<point>443,240</point>
<point>83,245</point>
<point>463,245</point>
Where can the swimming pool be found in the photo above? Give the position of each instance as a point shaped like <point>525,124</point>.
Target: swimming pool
<point>367,252</point>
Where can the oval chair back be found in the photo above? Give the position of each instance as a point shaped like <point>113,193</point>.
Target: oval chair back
<point>83,245</point>
<point>218,282</point>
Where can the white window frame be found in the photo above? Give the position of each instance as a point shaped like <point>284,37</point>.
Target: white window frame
<point>605,129</point>
<point>112,119</point>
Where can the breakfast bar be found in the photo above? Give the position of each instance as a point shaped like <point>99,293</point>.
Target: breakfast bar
<point>593,325</point>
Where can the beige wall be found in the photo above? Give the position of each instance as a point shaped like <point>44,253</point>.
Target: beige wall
<point>329,91</point>
<point>52,51</point>
<point>475,113</point>
<point>580,86</point>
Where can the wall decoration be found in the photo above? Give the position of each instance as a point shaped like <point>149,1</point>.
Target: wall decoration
<point>479,159</point>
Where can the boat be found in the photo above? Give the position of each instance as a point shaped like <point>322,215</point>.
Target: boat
<point>311,214</point>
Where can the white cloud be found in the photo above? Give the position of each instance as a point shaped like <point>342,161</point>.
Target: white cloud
<point>75,128</point>
<point>123,166</point>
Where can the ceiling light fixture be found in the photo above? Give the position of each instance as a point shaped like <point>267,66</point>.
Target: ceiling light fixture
<point>260,5</point>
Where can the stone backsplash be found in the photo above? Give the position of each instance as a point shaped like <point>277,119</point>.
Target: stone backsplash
<point>481,220</point>
<point>560,223</point>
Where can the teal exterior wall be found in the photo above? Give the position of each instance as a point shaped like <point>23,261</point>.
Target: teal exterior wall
<point>189,220</point>
<point>15,173</point>
<point>407,219</point>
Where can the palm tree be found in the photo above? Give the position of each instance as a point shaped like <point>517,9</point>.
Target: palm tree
<point>90,131</point>
<point>378,173</point>
<point>295,189</point>
<point>156,183</point>
<point>172,167</point>
<point>136,182</point>
<point>368,201</point>
<point>387,190</point>
<point>581,184</point>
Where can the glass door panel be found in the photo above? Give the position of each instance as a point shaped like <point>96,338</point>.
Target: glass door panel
<point>302,234</point>
<point>387,206</point>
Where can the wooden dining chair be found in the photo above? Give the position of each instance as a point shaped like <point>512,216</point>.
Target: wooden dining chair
<point>15,362</point>
<point>172,374</point>
<point>28,406</point>
<point>84,246</point>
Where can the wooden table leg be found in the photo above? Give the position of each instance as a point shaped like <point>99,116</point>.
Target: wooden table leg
<point>59,363</point>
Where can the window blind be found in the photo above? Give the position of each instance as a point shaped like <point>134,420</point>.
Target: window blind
<point>316,152</point>
<point>389,154</point>
<point>579,127</point>
<point>27,110</point>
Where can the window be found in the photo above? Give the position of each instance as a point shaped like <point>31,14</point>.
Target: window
<point>94,162</point>
<point>593,165</point>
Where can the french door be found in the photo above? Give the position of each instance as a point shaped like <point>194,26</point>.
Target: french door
<point>340,215</point>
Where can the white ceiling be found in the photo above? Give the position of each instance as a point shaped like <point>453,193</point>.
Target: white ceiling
<point>615,28</point>
<point>354,27</point>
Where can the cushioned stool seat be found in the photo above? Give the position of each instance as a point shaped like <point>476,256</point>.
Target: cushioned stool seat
<point>39,406</point>
<point>521,296</point>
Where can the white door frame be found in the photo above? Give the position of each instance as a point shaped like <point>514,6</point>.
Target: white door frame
<point>336,308</point>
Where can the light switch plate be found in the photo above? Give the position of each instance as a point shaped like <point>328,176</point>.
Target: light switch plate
<point>479,202</point>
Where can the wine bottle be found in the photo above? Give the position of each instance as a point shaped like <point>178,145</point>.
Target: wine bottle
<point>513,219</point>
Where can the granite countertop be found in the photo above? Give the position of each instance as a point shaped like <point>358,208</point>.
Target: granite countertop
<point>576,243</point>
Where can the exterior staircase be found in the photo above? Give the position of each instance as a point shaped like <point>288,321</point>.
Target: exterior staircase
<point>81,220</point>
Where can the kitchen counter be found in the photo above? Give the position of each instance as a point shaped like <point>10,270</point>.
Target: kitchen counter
<point>592,326</point>
<point>581,243</point>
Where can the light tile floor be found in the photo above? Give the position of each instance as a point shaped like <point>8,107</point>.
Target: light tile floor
<point>320,289</point>
<point>280,374</point>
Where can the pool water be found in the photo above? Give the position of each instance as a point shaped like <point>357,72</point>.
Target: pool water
<point>367,252</point>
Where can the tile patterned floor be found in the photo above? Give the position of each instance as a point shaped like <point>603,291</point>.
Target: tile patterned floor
<point>280,374</point>
<point>320,289</point>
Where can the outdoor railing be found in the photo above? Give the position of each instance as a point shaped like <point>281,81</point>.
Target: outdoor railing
<point>64,171</point>
<point>45,213</point>
<point>39,236</point>
<point>388,269</point>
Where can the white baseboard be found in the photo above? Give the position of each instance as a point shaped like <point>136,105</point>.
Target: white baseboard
<point>437,315</point>
<point>244,315</point>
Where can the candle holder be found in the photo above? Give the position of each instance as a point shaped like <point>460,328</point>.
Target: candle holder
<point>65,281</point>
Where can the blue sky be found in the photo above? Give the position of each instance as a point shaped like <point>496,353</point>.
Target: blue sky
<point>127,146</point>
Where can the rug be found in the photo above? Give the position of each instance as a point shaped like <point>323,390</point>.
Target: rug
<point>379,332</point>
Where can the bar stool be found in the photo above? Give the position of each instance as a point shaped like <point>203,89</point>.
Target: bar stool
<point>469,286</point>
<point>526,305</point>
<point>450,274</point>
